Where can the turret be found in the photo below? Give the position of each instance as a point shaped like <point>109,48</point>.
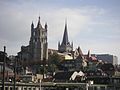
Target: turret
<point>39,24</point>
<point>72,45</point>
<point>46,26</point>
<point>32,25</point>
<point>58,44</point>
<point>32,29</point>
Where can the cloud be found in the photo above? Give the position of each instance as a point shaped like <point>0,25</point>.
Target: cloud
<point>88,26</point>
<point>75,22</point>
<point>78,21</point>
<point>15,24</point>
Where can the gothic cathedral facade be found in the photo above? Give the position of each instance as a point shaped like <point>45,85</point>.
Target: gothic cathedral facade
<point>37,50</point>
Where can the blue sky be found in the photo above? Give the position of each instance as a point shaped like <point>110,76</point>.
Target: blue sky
<point>92,24</point>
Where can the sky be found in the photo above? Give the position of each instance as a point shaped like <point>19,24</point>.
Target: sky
<point>92,24</point>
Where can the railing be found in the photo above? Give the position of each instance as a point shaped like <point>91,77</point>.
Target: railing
<point>56,86</point>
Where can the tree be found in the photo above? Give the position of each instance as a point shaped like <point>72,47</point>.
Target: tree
<point>54,61</point>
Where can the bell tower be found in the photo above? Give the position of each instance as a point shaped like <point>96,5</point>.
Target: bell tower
<point>38,42</point>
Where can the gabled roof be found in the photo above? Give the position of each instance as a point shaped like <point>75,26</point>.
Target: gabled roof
<point>75,74</point>
<point>78,53</point>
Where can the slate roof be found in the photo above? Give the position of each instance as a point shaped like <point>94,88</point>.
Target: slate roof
<point>63,76</point>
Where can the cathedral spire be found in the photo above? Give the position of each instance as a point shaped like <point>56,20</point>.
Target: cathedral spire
<point>65,45</point>
<point>39,24</point>
<point>65,36</point>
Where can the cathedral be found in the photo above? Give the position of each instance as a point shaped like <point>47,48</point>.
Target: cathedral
<point>37,50</point>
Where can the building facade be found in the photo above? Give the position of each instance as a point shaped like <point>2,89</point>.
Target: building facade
<point>37,50</point>
<point>108,58</point>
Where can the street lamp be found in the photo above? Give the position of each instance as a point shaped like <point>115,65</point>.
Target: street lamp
<point>4,60</point>
<point>15,72</point>
<point>89,84</point>
<point>40,84</point>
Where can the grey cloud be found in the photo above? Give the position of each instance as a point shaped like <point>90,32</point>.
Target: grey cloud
<point>16,18</point>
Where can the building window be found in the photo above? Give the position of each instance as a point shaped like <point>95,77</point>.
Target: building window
<point>35,39</point>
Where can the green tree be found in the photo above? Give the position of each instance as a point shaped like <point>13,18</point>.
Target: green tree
<point>54,61</point>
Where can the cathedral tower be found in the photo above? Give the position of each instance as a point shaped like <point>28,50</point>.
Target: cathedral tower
<point>38,44</point>
<point>65,46</point>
